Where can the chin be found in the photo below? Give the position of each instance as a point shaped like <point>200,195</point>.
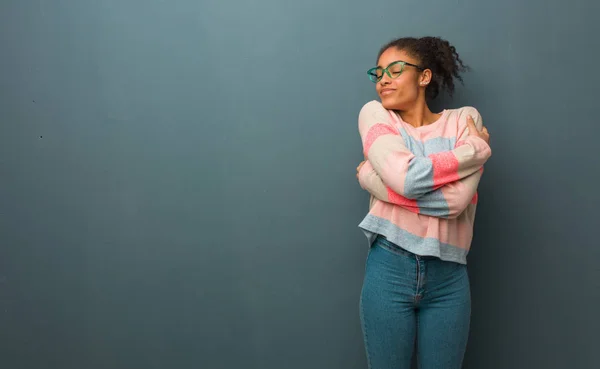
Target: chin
<point>395,102</point>
<point>388,103</point>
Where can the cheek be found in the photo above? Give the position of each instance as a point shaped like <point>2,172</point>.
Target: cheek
<point>409,91</point>
<point>405,90</point>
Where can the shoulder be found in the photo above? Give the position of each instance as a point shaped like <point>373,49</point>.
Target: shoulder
<point>373,107</point>
<point>465,111</point>
<point>373,112</point>
<point>460,115</point>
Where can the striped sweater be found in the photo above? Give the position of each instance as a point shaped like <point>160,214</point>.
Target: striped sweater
<point>423,180</point>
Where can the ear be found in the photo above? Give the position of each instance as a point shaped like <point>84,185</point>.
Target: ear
<point>425,77</point>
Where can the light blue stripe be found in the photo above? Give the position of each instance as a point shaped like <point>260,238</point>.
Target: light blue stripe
<point>416,147</point>
<point>434,204</point>
<point>372,226</point>
<point>419,177</point>
<point>428,147</point>
<point>438,144</point>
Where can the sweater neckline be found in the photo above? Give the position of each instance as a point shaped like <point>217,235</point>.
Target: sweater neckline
<point>426,128</point>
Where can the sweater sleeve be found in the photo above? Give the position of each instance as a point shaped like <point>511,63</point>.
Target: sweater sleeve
<point>448,201</point>
<point>413,176</point>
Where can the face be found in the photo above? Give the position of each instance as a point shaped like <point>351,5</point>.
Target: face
<point>407,83</point>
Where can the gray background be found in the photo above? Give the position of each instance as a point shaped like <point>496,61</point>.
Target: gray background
<point>178,190</point>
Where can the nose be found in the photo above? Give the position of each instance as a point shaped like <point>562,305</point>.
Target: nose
<point>385,79</point>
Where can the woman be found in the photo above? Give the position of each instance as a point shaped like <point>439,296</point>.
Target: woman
<point>422,170</point>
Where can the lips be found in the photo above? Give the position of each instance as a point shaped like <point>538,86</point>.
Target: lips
<point>387,91</point>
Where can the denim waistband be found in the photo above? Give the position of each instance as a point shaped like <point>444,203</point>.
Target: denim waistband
<point>385,243</point>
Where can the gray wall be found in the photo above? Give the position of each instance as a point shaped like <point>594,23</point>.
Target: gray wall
<point>178,188</point>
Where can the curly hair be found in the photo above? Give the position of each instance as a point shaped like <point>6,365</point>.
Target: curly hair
<point>435,54</point>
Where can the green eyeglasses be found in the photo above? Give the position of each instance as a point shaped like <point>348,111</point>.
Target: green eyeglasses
<point>394,70</point>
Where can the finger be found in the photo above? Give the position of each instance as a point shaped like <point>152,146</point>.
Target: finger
<point>485,135</point>
<point>471,121</point>
<point>471,125</point>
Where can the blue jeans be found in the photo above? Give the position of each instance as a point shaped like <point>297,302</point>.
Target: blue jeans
<point>408,298</point>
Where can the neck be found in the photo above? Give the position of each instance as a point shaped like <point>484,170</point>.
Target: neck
<point>418,115</point>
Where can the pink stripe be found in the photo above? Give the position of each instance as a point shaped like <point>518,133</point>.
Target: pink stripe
<point>475,198</point>
<point>408,204</point>
<point>402,218</point>
<point>457,232</point>
<point>375,132</point>
<point>445,168</point>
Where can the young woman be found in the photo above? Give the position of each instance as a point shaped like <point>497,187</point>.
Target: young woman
<point>422,170</point>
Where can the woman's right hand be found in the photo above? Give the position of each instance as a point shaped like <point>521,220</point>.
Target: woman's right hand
<point>359,166</point>
<point>473,131</point>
